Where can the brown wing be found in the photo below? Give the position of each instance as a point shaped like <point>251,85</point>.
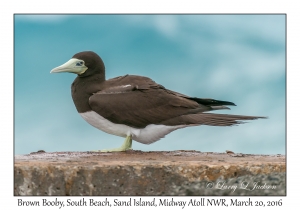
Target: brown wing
<point>138,101</point>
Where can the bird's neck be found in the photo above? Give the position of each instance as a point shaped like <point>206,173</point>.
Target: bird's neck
<point>83,88</point>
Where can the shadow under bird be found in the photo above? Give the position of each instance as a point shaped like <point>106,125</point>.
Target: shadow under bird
<point>135,107</point>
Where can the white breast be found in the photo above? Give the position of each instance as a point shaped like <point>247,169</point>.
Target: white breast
<point>147,135</point>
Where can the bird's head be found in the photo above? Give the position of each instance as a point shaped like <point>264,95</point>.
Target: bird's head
<point>83,64</point>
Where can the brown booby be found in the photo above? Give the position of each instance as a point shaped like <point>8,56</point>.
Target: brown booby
<point>136,107</point>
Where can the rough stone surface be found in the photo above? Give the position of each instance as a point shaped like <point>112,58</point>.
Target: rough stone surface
<point>132,172</point>
<point>260,184</point>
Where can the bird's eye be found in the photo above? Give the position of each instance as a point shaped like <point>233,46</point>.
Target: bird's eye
<point>80,63</point>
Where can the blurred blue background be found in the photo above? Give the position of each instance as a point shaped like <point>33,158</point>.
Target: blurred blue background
<point>238,58</point>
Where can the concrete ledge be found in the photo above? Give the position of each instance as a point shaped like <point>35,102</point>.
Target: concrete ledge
<point>131,172</point>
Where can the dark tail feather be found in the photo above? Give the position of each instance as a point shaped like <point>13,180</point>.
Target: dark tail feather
<point>210,119</point>
<point>212,102</point>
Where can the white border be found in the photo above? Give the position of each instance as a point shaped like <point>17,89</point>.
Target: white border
<point>155,6</point>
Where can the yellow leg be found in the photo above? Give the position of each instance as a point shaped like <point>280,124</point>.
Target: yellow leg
<point>125,146</point>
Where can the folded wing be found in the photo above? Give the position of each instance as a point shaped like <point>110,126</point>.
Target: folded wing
<point>138,101</point>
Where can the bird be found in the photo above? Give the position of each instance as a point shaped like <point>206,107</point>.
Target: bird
<point>135,107</point>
